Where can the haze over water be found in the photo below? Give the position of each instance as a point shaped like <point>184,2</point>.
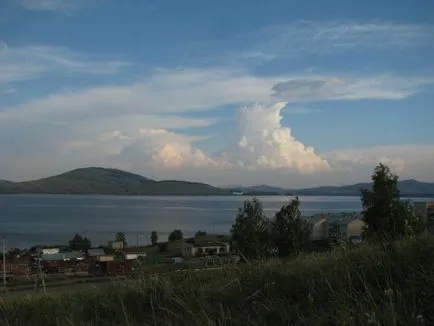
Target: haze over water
<point>28,220</point>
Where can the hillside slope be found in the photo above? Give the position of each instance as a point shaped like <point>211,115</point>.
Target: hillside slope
<point>95,180</point>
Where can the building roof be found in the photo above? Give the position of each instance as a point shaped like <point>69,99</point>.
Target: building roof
<point>316,218</point>
<point>72,255</point>
<point>62,256</point>
<point>48,251</point>
<point>52,257</point>
<point>346,218</point>
<point>204,243</point>
<point>95,252</point>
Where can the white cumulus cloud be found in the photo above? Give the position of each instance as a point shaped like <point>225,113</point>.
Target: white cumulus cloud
<point>162,149</point>
<point>409,161</point>
<point>262,142</point>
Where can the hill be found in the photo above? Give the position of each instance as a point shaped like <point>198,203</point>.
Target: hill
<point>101,181</point>
<point>408,188</point>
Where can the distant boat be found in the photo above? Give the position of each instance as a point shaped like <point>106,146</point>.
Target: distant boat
<point>235,193</point>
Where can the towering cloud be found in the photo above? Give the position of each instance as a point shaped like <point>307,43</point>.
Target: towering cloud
<point>262,142</point>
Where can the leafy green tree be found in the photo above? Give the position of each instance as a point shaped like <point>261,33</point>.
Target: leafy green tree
<point>251,231</point>
<point>176,235</point>
<point>120,237</point>
<point>79,243</point>
<point>162,247</point>
<point>412,221</point>
<point>154,238</point>
<point>385,215</point>
<point>290,231</point>
<point>200,234</point>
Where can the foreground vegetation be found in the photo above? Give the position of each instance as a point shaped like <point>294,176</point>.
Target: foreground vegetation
<point>369,284</point>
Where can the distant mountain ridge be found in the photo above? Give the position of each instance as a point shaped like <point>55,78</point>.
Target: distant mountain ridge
<point>408,188</point>
<point>102,181</point>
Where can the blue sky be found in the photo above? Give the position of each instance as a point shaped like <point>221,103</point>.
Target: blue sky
<point>288,93</point>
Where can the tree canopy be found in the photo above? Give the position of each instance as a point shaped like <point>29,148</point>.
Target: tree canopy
<point>251,231</point>
<point>120,237</point>
<point>387,217</point>
<point>176,235</point>
<point>154,238</point>
<point>162,247</point>
<point>79,243</point>
<point>200,233</point>
<point>290,232</point>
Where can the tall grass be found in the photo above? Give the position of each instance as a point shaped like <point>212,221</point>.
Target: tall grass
<point>366,285</point>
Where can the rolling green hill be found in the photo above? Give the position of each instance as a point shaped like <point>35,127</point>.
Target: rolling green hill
<point>101,181</point>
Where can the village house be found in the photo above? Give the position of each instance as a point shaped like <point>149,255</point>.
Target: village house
<point>426,210</point>
<point>94,253</point>
<point>50,251</point>
<point>116,245</point>
<point>192,248</point>
<point>319,228</point>
<point>348,229</point>
<point>55,255</point>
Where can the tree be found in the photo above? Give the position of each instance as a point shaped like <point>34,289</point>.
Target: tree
<point>162,247</point>
<point>385,215</point>
<point>154,238</point>
<point>176,235</point>
<point>120,237</point>
<point>251,231</point>
<point>290,231</point>
<point>79,243</point>
<point>413,223</point>
<point>200,234</point>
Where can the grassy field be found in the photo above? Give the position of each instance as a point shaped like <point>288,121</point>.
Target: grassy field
<point>366,285</point>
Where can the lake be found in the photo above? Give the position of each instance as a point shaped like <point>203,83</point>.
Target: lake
<point>28,220</point>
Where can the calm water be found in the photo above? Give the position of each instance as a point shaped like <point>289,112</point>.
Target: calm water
<point>27,220</point>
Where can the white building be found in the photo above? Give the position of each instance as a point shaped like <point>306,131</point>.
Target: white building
<point>320,228</point>
<point>426,210</point>
<point>202,248</point>
<point>346,229</point>
<point>116,245</point>
<point>50,251</point>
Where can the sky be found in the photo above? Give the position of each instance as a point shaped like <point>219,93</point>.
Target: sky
<point>240,92</point>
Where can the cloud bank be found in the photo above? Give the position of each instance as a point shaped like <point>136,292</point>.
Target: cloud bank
<point>260,150</point>
<point>138,126</point>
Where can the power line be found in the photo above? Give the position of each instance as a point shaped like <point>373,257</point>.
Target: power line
<point>4,262</point>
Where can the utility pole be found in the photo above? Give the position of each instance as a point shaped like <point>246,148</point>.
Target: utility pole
<point>39,273</point>
<point>137,240</point>
<point>4,262</point>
